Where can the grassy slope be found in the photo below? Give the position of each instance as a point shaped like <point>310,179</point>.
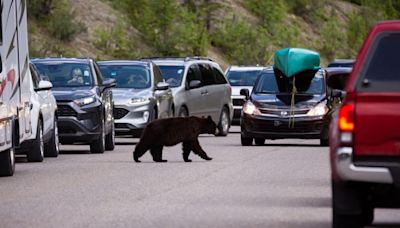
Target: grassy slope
<point>98,14</point>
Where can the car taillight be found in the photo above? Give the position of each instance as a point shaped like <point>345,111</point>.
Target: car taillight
<point>346,117</point>
<point>346,123</point>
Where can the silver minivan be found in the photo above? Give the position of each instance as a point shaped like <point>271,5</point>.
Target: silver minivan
<point>199,89</point>
<point>140,94</point>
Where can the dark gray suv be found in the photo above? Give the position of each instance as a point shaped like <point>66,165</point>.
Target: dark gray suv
<point>199,89</point>
<point>84,100</point>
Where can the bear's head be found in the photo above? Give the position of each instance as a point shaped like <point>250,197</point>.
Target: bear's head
<point>209,126</point>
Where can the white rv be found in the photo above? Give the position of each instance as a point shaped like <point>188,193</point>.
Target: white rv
<point>15,82</point>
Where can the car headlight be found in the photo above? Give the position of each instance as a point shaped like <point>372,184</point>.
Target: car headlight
<point>319,110</point>
<point>85,101</point>
<point>137,100</point>
<point>250,108</point>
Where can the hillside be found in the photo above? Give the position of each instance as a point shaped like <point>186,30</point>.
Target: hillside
<point>230,31</point>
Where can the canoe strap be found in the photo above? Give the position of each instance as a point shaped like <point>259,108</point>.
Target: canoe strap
<point>292,104</point>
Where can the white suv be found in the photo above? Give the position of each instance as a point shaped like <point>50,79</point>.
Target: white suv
<point>44,138</point>
<point>241,77</point>
<point>199,89</point>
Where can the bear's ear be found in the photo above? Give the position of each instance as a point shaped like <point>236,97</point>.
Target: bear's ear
<point>209,118</point>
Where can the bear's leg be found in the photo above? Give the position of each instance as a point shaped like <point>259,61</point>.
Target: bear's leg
<point>199,151</point>
<point>186,148</point>
<point>156,152</point>
<point>140,149</point>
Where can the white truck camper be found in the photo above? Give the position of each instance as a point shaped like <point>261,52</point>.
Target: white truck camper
<point>15,82</point>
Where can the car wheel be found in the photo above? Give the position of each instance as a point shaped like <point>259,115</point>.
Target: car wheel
<point>183,112</point>
<point>259,141</point>
<point>223,125</point>
<point>110,139</point>
<point>324,140</point>
<point>52,148</point>
<point>246,141</point>
<point>7,162</point>
<point>36,153</point>
<point>344,200</point>
<point>98,145</point>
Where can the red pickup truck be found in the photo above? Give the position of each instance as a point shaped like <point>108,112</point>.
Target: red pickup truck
<point>365,132</point>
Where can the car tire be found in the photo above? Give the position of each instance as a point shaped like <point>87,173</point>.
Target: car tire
<point>52,148</point>
<point>36,152</point>
<point>246,141</point>
<point>7,162</point>
<point>324,142</point>
<point>348,206</point>
<point>224,122</point>
<point>110,139</point>
<point>98,145</point>
<point>183,112</point>
<point>259,141</point>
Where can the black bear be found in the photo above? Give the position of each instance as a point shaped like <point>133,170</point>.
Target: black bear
<point>171,131</point>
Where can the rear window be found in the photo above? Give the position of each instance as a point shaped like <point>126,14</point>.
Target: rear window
<point>242,78</point>
<point>381,71</point>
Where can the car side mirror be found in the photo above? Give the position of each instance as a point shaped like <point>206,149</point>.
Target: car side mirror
<point>245,93</point>
<point>109,82</point>
<point>337,93</point>
<point>194,84</point>
<point>162,86</point>
<point>44,85</point>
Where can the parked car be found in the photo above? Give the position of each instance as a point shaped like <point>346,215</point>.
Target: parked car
<point>336,77</point>
<point>84,100</point>
<point>364,132</point>
<point>140,95</point>
<point>44,138</point>
<point>199,89</point>
<point>342,63</point>
<point>268,110</point>
<point>241,77</point>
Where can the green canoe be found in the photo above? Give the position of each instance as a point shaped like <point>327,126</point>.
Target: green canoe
<point>291,61</point>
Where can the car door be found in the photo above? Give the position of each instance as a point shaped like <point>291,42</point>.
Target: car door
<point>211,96</point>
<point>194,98</point>
<point>377,106</point>
<point>163,97</point>
<point>45,101</point>
<point>106,97</point>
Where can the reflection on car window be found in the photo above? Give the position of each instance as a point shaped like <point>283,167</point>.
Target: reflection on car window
<point>65,74</point>
<point>127,76</point>
<point>242,78</point>
<point>172,75</point>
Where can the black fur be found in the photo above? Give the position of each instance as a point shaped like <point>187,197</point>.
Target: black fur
<point>171,131</point>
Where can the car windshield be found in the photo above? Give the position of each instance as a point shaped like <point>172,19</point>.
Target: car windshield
<point>242,78</point>
<point>128,76</point>
<point>172,75</point>
<point>62,74</point>
<point>270,83</point>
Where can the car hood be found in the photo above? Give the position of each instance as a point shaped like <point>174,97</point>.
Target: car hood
<point>284,100</point>
<point>236,89</point>
<point>71,93</point>
<point>122,94</point>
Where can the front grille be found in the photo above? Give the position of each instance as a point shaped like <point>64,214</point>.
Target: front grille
<point>65,110</point>
<point>120,113</point>
<point>283,112</point>
<point>238,102</point>
<point>283,127</point>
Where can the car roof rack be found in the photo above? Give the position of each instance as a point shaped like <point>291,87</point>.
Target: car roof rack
<point>198,58</point>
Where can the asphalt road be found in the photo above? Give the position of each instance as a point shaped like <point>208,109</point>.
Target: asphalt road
<point>282,184</point>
